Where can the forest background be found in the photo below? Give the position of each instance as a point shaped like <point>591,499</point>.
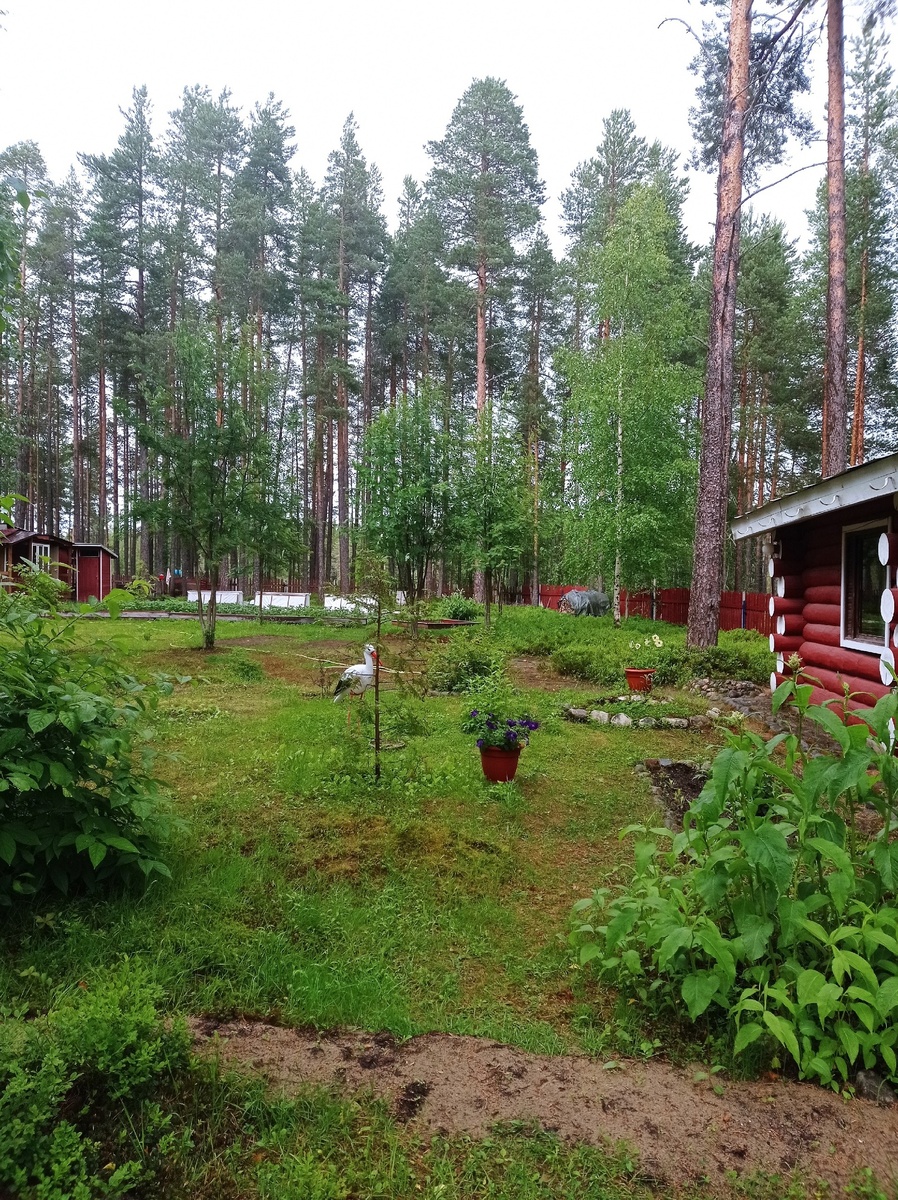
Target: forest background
<point>212,358</point>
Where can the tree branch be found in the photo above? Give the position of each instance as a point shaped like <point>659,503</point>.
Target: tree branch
<point>797,171</point>
<point>689,29</point>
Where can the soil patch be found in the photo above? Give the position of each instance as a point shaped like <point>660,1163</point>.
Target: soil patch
<point>535,673</point>
<point>676,785</point>
<point>683,1130</point>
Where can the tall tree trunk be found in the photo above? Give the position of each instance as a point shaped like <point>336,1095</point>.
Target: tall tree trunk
<point>343,425</point>
<point>835,395</point>
<point>79,508</point>
<point>618,500</point>
<point>481,337</point>
<point>534,572</point>
<point>22,480</point>
<point>857,424</point>
<point>717,411</point>
<point>480,583</point>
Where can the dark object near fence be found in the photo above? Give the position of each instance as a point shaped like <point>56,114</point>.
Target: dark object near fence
<point>579,604</point>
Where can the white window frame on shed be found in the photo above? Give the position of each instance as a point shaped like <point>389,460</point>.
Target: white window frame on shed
<point>41,550</point>
<point>870,645</point>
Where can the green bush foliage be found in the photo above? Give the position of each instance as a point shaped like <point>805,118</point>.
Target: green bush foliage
<point>79,1111</point>
<point>75,805</point>
<point>590,648</point>
<point>739,654</point>
<point>774,914</point>
<point>469,655</point>
<point>457,608</point>
<point>38,589</point>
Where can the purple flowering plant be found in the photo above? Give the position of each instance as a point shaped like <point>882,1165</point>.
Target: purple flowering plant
<point>498,716</point>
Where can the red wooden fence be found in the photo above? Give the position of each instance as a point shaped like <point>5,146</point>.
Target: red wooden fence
<point>738,610</point>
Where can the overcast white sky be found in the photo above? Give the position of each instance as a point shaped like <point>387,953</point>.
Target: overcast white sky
<point>68,66</point>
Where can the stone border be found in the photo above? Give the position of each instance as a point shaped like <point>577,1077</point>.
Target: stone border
<point>622,721</point>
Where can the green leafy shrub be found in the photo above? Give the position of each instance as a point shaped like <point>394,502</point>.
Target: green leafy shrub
<point>772,914</point>
<point>78,1118</point>
<point>75,806</point>
<point>523,629</point>
<point>739,654</point>
<point>38,589</point>
<point>457,608</point>
<point>603,663</point>
<point>469,655</point>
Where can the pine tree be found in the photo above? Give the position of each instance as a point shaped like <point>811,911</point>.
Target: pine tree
<point>352,194</point>
<point>124,197</point>
<point>487,191</point>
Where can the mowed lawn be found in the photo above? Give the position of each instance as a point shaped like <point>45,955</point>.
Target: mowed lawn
<point>303,891</point>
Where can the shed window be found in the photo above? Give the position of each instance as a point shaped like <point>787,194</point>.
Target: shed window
<point>865,579</point>
<point>41,554</point>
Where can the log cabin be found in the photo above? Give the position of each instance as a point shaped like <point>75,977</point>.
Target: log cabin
<point>833,565</point>
<point>45,550</point>
<point>87,567</point>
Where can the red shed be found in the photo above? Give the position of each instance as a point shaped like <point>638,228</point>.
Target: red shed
<point>94,567</point>
<point>834,573</point>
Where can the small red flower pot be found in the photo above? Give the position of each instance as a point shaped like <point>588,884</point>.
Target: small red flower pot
<point>499,765</point>
<point>639,679</point>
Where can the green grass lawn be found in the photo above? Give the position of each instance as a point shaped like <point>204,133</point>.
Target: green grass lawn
<point>303,892</point>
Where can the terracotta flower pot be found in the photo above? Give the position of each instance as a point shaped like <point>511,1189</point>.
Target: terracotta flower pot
<point>499,765</point>
<point>639,679</point>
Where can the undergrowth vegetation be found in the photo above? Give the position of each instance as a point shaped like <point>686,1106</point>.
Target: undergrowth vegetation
<point>83,1089</point>
<point>774,914</point>
<point>77,806</point>
<point>591,649</point>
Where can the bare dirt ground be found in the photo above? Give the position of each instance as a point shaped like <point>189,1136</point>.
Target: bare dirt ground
<point>683,1130</point>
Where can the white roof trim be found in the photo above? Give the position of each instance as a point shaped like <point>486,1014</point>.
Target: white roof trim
<point>866,482</point>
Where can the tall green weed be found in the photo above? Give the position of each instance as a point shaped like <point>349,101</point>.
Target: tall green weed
<point>773,915</point>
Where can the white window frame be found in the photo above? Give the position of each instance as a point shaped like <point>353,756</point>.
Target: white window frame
<point>868,646</point>
<point>41,550</point>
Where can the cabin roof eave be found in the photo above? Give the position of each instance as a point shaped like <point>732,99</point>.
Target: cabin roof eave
<point>854,486</point>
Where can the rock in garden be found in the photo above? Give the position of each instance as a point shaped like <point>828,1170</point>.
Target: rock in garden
<point>713,712</point>
<point>621,719</point>
<point>675,722</point>
<point>647,722</point>
<point>598,716</point>
<point>578,714</point>
<point>870,1086</point>
<point>665,762</point>
<point>700,722</point>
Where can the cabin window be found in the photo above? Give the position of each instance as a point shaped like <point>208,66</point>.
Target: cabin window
<point>40,555</point>
<point>864,579</point>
